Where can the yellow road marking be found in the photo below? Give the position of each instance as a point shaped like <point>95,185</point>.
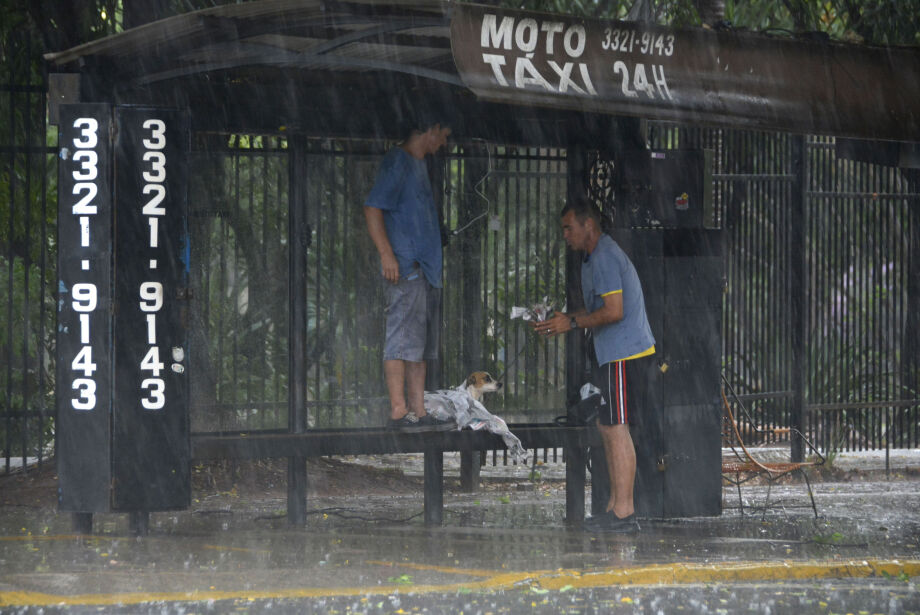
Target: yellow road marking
<point>656,574</point>
<point>44,537</point>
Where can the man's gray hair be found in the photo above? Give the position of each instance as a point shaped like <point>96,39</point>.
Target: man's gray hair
<point>583,210</point>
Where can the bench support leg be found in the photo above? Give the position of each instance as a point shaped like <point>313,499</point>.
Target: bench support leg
<point>139,522</point>
<point>600,481</point>
<point>82,522</point>
<point>470,469</point>
<point>434,487</point>
<point>575,457</point>
<point>297,491</point>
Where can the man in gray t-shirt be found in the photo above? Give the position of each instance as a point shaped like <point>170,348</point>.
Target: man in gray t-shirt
<point>615,314</point>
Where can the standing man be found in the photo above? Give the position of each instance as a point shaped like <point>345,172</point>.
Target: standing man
<point>615,315</point>
<point>402,220</point>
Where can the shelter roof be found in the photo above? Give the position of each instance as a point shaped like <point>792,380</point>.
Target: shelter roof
<point>362,67</point>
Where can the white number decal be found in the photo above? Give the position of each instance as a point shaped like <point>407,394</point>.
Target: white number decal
<point>89,158</point>
<point>83,362</point>
<point>157,162</point>
<point>151,293</point>
<point>87,133</point>
<point>151,209</point>
<point>84,297</point>
<point>620,67</point>
<point>87,389</point>
<point>151,296</point>
<point>82,207</point>
<point>158,132</point>
<point>156,399</point>
<point>152,362</point>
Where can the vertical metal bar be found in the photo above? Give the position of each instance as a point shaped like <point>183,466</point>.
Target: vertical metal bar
<point>44,277</point>
<point>575,463</point>
<point>910,345</point>
<point>11,255</point>
<point>27,262</point>
<point>798,285</point>
<point>297,290</point>
<point>575,351</point>
<point>434,486</point>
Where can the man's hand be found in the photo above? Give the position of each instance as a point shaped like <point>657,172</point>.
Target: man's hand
<point>552,326</point>
<point>378,232</point>
<point>389,267</point>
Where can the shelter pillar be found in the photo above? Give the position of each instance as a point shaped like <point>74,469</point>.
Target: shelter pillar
<point>576,364</point>
<point>470,246</point>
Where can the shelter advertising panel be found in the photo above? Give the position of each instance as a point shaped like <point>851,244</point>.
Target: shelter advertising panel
<point>643,70</point>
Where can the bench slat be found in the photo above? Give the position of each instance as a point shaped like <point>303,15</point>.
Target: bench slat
<point>322,442</point>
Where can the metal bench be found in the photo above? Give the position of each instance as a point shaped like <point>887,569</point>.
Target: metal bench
<point>322,442</point>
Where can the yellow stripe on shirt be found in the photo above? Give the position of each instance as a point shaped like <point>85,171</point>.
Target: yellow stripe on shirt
<point>613,292</point>
<point>644,353</point>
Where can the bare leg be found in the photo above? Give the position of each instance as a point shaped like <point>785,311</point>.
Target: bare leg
<point>621,468</point>
<point>394,370</point>
<point>415,383</point>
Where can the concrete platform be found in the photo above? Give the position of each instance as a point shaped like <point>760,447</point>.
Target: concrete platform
<point>503,549</point>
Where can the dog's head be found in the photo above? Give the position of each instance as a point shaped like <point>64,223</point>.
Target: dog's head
<point>481,382</point>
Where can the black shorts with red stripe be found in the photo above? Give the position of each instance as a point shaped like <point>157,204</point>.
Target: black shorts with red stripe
<point>622,400</point>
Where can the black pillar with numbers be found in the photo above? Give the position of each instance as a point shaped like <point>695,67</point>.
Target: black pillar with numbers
<point>123,422</point>
<point>84,335</point>
<point>150,424</point>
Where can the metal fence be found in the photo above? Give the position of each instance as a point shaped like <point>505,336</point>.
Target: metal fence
<point>860,240</point>
<point>859,226</point>
<point>504,249</point>
<point>27,258</point>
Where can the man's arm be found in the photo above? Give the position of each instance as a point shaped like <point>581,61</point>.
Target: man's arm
<point>610,312</point>
<point>389,267</point>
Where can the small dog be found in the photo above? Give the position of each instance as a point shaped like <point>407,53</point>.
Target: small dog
<point>481,382</point>
<point>464,405</point>
<point>451,402</point>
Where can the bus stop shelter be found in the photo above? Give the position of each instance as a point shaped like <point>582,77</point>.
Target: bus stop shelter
<point>134,104</point>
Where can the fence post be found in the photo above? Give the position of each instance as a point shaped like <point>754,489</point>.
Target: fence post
<point>910,345</point>
<point>297,289</point>
<point>798,295</point>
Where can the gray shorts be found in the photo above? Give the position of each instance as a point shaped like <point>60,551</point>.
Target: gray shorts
<point>413,319</point>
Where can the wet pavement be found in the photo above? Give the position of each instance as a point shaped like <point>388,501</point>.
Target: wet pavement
<point>504,549</point>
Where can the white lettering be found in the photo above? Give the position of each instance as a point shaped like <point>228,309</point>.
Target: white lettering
<point>526,35</point>
<point>660,82</point>
<point>587,79</point>
<point>551,28</point>
<point>619,67</point>
<point>640,81</point>
<point>535,78</point>
<point>565,79</point>
<point>496,37</point>
<point>496,62</point>
<point>576,50</point>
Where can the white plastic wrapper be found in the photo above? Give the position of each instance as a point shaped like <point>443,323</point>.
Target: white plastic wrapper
<point>588,389</point>
<point>460,406</point>
<point>537,312</point>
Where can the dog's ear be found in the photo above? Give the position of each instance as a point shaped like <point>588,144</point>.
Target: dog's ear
<point>471,380</point>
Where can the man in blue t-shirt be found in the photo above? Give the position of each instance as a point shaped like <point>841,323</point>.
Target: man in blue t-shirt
<point>615,315</point>
<point>402,220</point>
